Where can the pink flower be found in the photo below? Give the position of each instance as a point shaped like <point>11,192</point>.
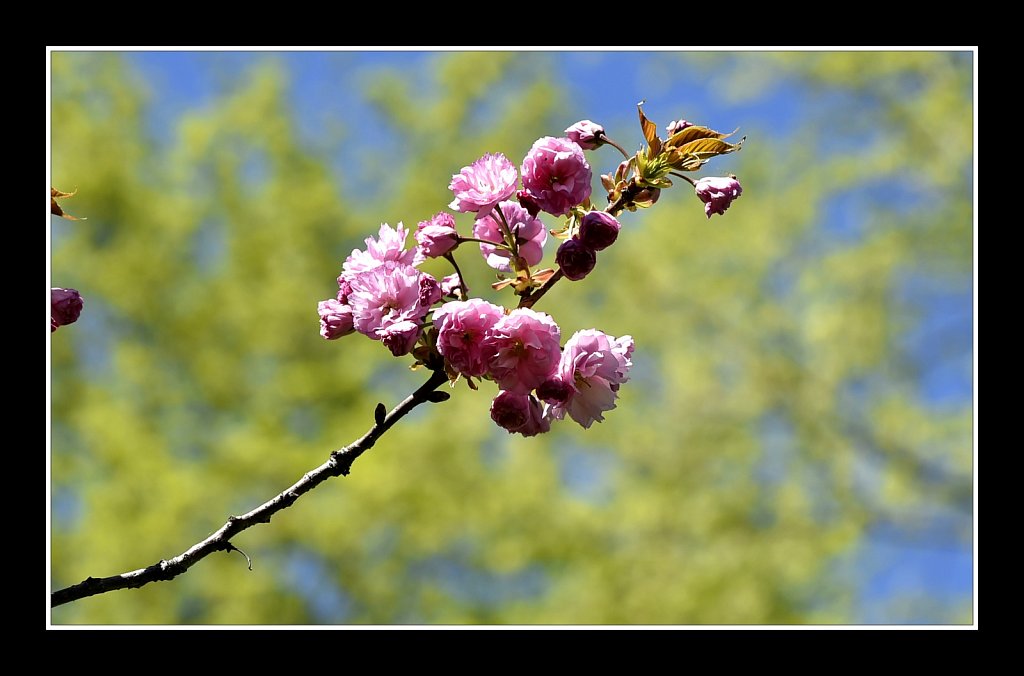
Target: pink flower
<point>437,236</point>
<point>519,413</point>
<point>586,134</point>
<point>677,126</point>
<point>556,175</point>
<point>462,327</point>
<point>529,232</point>
<point>388,294</point>
<point>483,184</point>
<point>599,230</point>
<point>389,247</point>
<point>335,319</point>
<point>575,259</point>
<point>65,307</point>
<point>717,193</point>
<point>593,365</point>
<point>521,350</point>
<point>400,337</point>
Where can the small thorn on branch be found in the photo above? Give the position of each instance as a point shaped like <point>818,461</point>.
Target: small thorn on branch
<point>231,548</point>
<point>379,413</point>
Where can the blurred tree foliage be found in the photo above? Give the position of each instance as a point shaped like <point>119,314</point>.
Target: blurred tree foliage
<point>773,417</point>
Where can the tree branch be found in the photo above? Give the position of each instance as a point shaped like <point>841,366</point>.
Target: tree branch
<point>339,463</point>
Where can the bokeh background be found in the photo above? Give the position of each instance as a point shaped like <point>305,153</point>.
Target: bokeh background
<point>795,445</point>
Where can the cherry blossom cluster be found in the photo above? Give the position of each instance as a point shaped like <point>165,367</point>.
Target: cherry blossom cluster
<point>383,294</point>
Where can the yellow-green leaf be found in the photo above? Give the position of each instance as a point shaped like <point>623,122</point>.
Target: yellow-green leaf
<point>695,153</point>
<point>650,131</point>
<point>684,136</point>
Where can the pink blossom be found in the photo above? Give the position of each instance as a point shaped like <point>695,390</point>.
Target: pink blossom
<point>388,294</point>
<point>717,193</point>
<point>556,175</point>
<point>335,319</point>
<point>481,185</point>
<point>586,134</point>
<point>437,236</point>
<point>599,230</point>
<point>593,365</point>
<point>400,337</point>
<point>390,246</point>
<point>521,350</point>
<point>65,307</point>
<point>529,232</point>
<point>519,413</point>
<point>462,327</point>
<point>575,259</point>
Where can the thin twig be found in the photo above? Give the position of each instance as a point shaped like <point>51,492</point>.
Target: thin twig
<point>339,463</point>
<point>463,289</point>
<point>615,145</point>
<point>684,176</point>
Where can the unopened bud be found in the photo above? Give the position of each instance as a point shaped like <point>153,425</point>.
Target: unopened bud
<point>587,135</point>
<point>575,259</point>
<point>599,230</point>
<point>65,307</point>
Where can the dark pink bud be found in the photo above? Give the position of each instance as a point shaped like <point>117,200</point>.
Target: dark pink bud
<point>575,259</point>
<point>519,413</point>
<point>65,307</point>
<point>598,230</point>
<point>554,391</point>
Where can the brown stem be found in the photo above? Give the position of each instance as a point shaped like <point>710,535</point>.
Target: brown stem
<point>684,176</point>
<point>462,282</point>
<point>500,245</point>
<point>615,145</point>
